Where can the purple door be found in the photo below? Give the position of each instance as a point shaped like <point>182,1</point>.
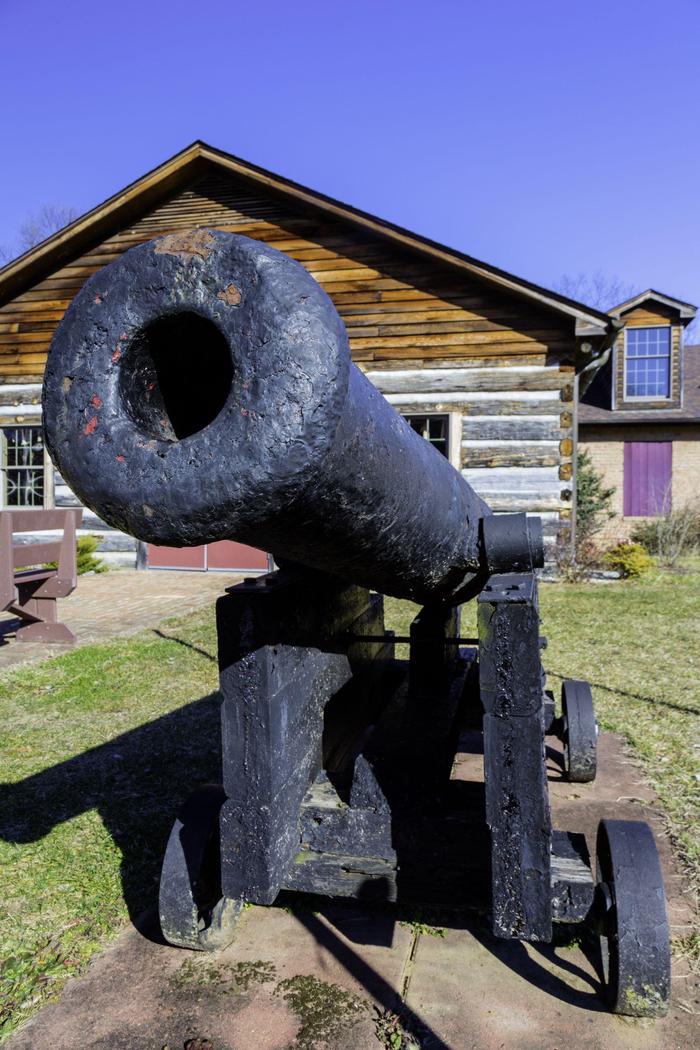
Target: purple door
<point>647,478</point>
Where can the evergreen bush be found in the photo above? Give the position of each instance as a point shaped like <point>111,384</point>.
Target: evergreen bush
<point>593,500</point>
<point>631,560</point>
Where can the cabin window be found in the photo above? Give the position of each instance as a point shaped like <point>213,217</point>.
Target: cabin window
<point>648,363</point>
<point>434,429</point>
<point>22,467</point>
<point>647,478</point>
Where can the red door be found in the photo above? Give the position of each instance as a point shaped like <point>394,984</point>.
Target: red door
<point>229,555</point>
<point>223,556</point>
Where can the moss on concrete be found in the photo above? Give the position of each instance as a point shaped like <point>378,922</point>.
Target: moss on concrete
<point>223,978</point>
<point>323,1009</point>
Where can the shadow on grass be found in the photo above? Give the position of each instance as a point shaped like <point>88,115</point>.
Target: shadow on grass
<point>631,696</point>
<point>187,645</point>
<point>136,782</point>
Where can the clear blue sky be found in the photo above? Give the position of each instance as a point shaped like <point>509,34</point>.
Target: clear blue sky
<point>546,137</point>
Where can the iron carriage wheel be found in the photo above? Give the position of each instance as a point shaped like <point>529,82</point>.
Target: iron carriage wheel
<point>579,731</point>
<point>193,913</point>
<point>632,920</point>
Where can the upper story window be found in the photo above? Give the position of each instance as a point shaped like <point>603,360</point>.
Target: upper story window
<point>648,362</point>
<point>434,429</point>
<point>22,467</point>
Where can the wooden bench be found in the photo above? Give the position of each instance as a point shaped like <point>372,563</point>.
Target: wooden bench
<point>32,593</point>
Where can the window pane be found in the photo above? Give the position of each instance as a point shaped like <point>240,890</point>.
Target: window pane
<point>433,428</point>
<point>646,342</point>
<point>22,466</point>
<point>648,359</point>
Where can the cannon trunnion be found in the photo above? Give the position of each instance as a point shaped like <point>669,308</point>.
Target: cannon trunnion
<point>201,388</point>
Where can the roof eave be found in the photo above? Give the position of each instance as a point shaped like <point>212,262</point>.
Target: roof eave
<point>156,183</point>
<point>687,311</point>
<point>411,240</point>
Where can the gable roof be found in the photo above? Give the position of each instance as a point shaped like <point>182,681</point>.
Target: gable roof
<point>686,310</point>
<point>135,199</point>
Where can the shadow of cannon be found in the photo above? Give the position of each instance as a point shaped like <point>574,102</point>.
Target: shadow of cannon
<point>136,781</point>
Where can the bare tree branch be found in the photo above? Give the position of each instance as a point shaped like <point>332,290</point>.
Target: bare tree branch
<point>42,223</point>
<point>603,293</point>
<point>596,289</point>
<point>38,225</point>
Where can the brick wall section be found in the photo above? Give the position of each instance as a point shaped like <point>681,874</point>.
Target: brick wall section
<point>686,465</point>
<point>605,444</point>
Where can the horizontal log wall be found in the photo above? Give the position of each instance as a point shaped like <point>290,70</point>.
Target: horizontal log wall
<point>517,459</point>
<point>433,339</point>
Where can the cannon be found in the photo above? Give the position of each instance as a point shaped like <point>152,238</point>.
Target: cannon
<point>201,388</point>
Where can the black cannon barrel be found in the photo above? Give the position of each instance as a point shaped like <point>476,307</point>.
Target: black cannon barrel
<point>200,388</point>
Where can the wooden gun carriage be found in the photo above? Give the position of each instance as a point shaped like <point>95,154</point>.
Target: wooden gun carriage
<point>201,388</point>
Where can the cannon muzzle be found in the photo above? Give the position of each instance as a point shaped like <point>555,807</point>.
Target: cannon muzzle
<point>201,388</point>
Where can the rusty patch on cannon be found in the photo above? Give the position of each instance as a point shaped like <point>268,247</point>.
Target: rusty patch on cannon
<point>186,244</point>
<point>230,295</point>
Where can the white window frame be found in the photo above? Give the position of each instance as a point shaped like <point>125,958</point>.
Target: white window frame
<point>48,500</point>
<point>452,429</point>
<point>648,397</point>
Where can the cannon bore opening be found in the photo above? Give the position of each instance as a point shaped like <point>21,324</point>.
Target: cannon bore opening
<point>176,376</point>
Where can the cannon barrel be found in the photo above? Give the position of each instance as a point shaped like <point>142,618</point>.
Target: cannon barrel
<point>201,388</point>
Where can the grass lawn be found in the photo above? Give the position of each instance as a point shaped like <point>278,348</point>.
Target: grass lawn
<point>101,745</point>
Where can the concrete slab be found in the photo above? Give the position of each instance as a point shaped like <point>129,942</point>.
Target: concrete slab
<point>476,993</point>
<point>349,966</point>
<point>143,995</point>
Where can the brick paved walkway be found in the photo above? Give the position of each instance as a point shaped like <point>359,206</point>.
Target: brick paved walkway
<point>115,603</point>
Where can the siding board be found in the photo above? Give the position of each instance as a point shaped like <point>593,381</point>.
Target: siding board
<point>517,377</point>
<point>538,428</point>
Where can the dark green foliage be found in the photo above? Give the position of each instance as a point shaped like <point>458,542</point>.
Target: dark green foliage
<point>86,559</point>
<point>592,499</point>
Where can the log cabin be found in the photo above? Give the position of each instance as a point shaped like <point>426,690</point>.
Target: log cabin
<point>483,364</point>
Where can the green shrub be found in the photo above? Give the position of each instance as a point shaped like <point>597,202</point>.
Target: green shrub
<point>86,559</point>
<point>593,500</point>
<point>629,559</point>
<point>670,536</point>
